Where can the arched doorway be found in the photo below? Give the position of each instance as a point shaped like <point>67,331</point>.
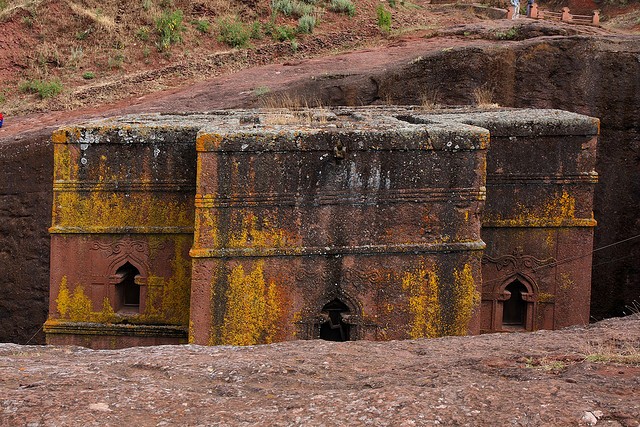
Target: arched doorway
<point>127,290</point>
<point>334,328</point>
<point>514,309</point>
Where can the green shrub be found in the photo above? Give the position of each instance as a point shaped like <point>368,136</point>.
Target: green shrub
<point>392,3</point>
<point>283,32</point>
<point>170,28</point>
<point>291,7</point>
<point>384,18</point>
<point>306,24</point>
<point>44,89</point>
<point>89,75</point>
<point>234,33</point>
<point>201,25</point>
<point>283,6</point>
<point>3,5</point>
<point>343,6</point>
<point>116,62</point>
<point>301,9</point>
<point>256,31</point>
<point>147,4</point>
<point>294,45</point>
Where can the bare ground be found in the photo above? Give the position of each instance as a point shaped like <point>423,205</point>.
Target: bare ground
<point>577,376</point>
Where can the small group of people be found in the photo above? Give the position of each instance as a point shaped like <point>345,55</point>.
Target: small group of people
<point>1,119</point>
<point>516,8</point>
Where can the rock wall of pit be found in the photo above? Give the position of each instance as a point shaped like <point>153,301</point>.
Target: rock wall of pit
<point>597,76</point>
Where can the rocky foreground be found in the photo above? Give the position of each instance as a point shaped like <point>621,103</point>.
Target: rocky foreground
<point>578,376</point>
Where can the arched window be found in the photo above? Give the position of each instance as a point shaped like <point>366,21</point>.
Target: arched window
<point>334,327</point>
<point>514,310</point>
<point>127,290</point>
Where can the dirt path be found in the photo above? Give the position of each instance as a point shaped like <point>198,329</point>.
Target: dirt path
<point>559,378</point>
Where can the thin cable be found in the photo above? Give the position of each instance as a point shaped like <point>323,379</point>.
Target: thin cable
<point>34,335</point>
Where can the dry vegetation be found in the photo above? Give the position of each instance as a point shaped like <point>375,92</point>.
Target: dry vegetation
<point>70,54</point>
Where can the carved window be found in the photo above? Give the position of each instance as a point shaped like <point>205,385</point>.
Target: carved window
<point>514,310</point>
<point>334,327</point>
<point>127,290</point>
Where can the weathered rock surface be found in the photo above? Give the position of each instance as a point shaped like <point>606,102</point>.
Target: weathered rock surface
<point>535,379</point>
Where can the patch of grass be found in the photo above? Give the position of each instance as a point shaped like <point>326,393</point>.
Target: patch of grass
<point>44,89</point>
<point>294,45</point>
<point>511,34</point>
<point>384,18</point>
<point>548,365</point>
<point>234,33</point>
<point>343,6</point>
<point>306,24</point>
<point>256,31</point>
<point>82,35</point>
<point>613,351</point>
<point>261,91</point>
<point>201,25</point>
<point>169,27</point>
<point>143,33</point>
<point>3,5</point>
<point>28,21</point>
<point>147,4</point>
<point>89,75</point>
<point>3,99</point>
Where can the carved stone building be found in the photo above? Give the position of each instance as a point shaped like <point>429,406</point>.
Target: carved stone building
<point>250,227</point>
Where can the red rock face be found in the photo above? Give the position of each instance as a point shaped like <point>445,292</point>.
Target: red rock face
<point>338,224</point>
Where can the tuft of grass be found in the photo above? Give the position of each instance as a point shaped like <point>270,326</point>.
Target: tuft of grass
<point>429,100</point>
<point>384,18</point>
<point>169,27</point>
<point>44,89</point>
<point>511,34</point>
<point>343,6</point>
<point>234,33</point>
<point>484,98</point>
<point>201,25</point>
<point>147,4</point>
<point>306,24</point>
<point>75,56</point>
<point>548,365</point>
<point>3,5</point>
<point>116,62</point>
<point>89,75</point>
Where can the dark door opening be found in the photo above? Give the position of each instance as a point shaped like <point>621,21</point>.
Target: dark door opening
<point>514,310</point>
<point>334,328</point>
<point>128,290</point>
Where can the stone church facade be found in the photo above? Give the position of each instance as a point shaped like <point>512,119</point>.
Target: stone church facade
<point>257,226</point>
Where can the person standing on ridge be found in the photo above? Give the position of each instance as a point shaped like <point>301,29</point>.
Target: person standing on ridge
<point>1,119</point>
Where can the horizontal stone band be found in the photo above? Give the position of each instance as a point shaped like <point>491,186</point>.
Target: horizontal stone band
<point>338,250</point>
<point>539,223</point>
<point>82,328</point>
<point>58,229</point>
<point>100,186</point>
<point>340,198</point>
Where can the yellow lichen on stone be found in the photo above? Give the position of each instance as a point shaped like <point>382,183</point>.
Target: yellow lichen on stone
<point>101,209</point>
<point>258,235</point>
<point>466,299</point>
<point>422,290</point>
<point>177,288</point>
<point>59,136</point>
<point>208,141</point>
<point>252,308</point>
<point>75,306</point>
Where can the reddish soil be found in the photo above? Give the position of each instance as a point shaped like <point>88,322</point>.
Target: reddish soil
<point>574,377</point>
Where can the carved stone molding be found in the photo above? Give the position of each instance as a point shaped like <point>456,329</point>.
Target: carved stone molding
<point>517,262</point>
